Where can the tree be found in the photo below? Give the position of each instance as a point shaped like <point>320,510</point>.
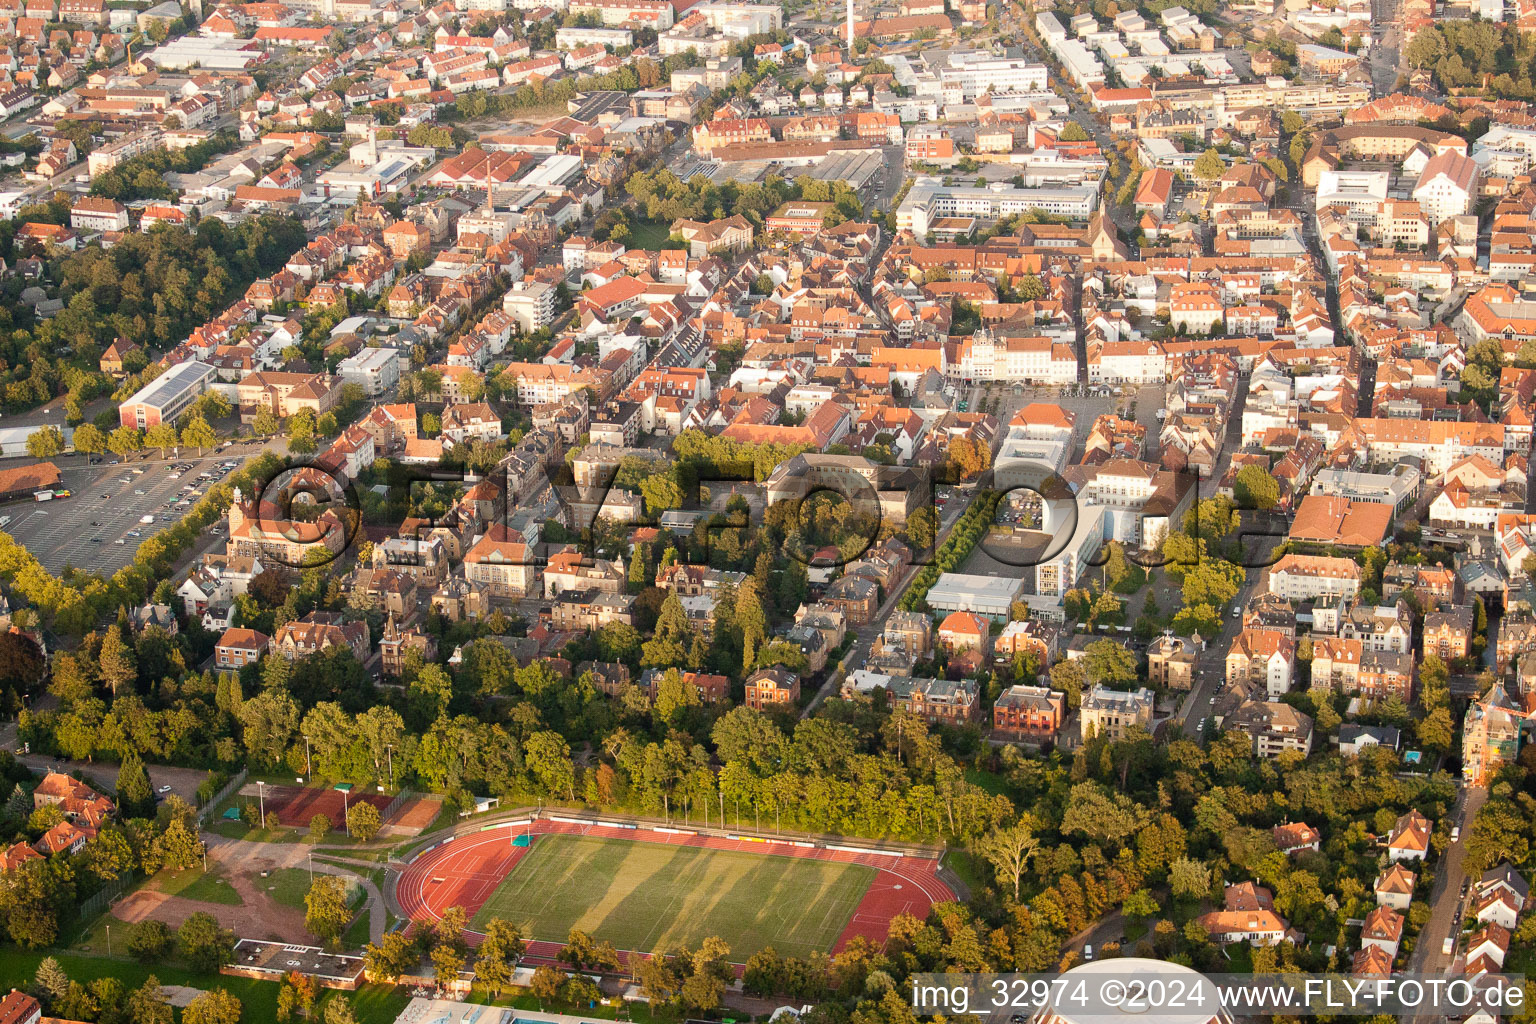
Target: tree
<point>148,1005</point>
<point>162,436</point>
<point>124,440</point>
<point>133,789</point>
<point>548,757</point>
<point>363,821</point>
<point>21,660</point>
<point>545,983</point>
<point>1209,165</point>
<point>1008,851</point>
<point>1189,879</point>
<point>450,926</point>
<point>658,979</point>
<point>319,828</point>
<point>198,434</point>
<point>392,957</point>
<point>89,439</point>
<point>325,907</point>
<point>150,940</point>
<point>447,962</point>
<point>1108,662</point>
<point>338,1010</point>
<point>119,663</point>
<point>498,955</point>
<point>215,1006</point>
<point>1436,730</point>
<point>179,847</point>
<point>111,856</point>
<point>51,979</point>
<point>1073,132</point>
<point>1256,488</point>
<point>297,996</point>
<point>45,442</point>
<point>580,990</point>
<point>204,945</point>
<point>1141,904</point>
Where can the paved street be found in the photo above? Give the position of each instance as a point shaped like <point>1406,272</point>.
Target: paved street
<point>866,634</point>
<point>1445,898</point>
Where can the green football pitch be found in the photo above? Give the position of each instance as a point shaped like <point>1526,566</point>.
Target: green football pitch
<point>650,896</point>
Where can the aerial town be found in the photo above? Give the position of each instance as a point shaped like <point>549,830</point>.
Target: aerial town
<point>556,511</point>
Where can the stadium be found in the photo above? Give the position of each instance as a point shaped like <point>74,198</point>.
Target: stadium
<point>649,887</point>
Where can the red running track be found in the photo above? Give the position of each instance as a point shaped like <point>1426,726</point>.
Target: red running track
<point>465,871</point>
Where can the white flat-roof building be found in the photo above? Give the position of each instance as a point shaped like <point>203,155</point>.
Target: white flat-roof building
<point>1357,190</point>
<point>972,74</point>
<point>929,200</point>
<point>991,596</point>
<point>531,304</point>
<point>575,38</point>
<point>553,173</point>
<point>208,53</point>
<point>1061,572</point>
<point>738,21</point>
<point>1393,488</point>
<point>376,369</point>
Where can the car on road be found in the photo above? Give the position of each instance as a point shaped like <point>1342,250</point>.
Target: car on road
<point>163,790</point>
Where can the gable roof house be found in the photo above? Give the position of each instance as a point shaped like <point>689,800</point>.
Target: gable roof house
<point>1383,929</point>
<point>1395,887</point>
<point>1410,837</point>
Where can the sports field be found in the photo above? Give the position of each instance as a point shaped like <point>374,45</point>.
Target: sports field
<point>650,896</point>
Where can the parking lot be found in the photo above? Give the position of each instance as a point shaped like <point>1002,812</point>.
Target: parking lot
<point>99,527</point>
<point>1148,399</point>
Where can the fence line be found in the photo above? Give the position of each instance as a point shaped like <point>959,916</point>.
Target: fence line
<point>398,802</point>
<point>748,833</point>
<point>111,891</point>
<point>233,785</point>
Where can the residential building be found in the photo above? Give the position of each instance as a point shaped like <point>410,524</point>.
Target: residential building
<point>1410,837</point>
<point>238,647</point>
<point>771,687</point>
<point>1031,714</point>
<point>1113,713</point>
<point>1275,728</point>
